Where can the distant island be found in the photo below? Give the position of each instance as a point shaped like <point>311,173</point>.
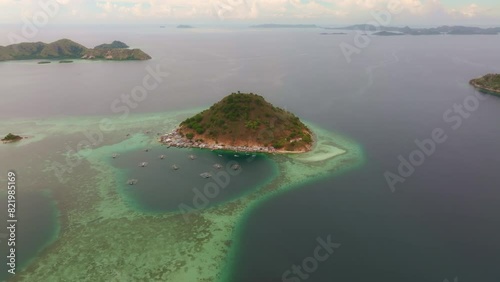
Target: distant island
<point>243,122</point>
<point>388,33</point>
<point>66,49</point>
<point>9,138</point>
<point>114,45</point>
<point>284,26</point>
<point>451,30</point>
<point>184,26</point>
<point>488,83</point>
<point>332,33</point>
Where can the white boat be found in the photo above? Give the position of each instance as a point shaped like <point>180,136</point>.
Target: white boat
<point>206,175</point>
<point>143,164</point>
<point>132,181</point>
<point>162,157</point>
<point>174,167</point>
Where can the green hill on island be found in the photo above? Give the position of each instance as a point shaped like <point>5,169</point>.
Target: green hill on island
<point>67,49</point>
<point>114,45</point>
<point>489,83</point>
<point>248,120</point>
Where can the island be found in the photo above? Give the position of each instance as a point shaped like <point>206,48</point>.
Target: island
<point>66,49</point>
<point>489,83</point>
<point>284,26</point>
<point>114,45</point>
<point>332,33</point>
<point>9,138</point>
<point>388,33</point>
<point>244,123</point>
<point>441,30</point>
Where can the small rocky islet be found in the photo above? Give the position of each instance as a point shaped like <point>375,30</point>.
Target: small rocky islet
<point>242,122</point>
<point>9,138</point>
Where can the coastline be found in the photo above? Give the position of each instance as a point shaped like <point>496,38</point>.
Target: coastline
<point>175,139</point>
<point>482,88</point>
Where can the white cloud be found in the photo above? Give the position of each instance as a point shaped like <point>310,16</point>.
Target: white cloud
<point>262,10</point>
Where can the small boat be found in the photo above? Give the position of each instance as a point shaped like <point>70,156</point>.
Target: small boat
<point>235,167</point>
<point>192,157</point>
<point>115,156</point>
<point>143,164</point>
<point>146,150</point>
<point>132,181</point>
<point>220,155</point>
<point>174,167</point>
<point>162,157</point>
<point>218,166</point>
<point>206,175</point>
<point>236,156</point>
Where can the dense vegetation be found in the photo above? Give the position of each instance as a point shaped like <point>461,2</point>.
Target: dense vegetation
<point>247,118</point>
<point>114,45</point>
<point>67,49</point>
<point>11,137</point>
<point>490,82</point>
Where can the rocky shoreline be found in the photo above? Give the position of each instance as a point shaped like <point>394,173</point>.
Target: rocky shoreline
<point>474,83</point>
<point>176,139</point>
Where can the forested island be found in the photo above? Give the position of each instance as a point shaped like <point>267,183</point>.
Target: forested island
<point>489,83</point>
<point>65,49</point>
<point>243,122</point>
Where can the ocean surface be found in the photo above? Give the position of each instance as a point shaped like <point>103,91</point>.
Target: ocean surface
<point>441,221</point>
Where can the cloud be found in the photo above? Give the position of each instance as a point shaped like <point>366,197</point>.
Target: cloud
<point>245,10</point>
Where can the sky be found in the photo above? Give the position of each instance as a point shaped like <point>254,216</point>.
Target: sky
<point>334,12</point>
